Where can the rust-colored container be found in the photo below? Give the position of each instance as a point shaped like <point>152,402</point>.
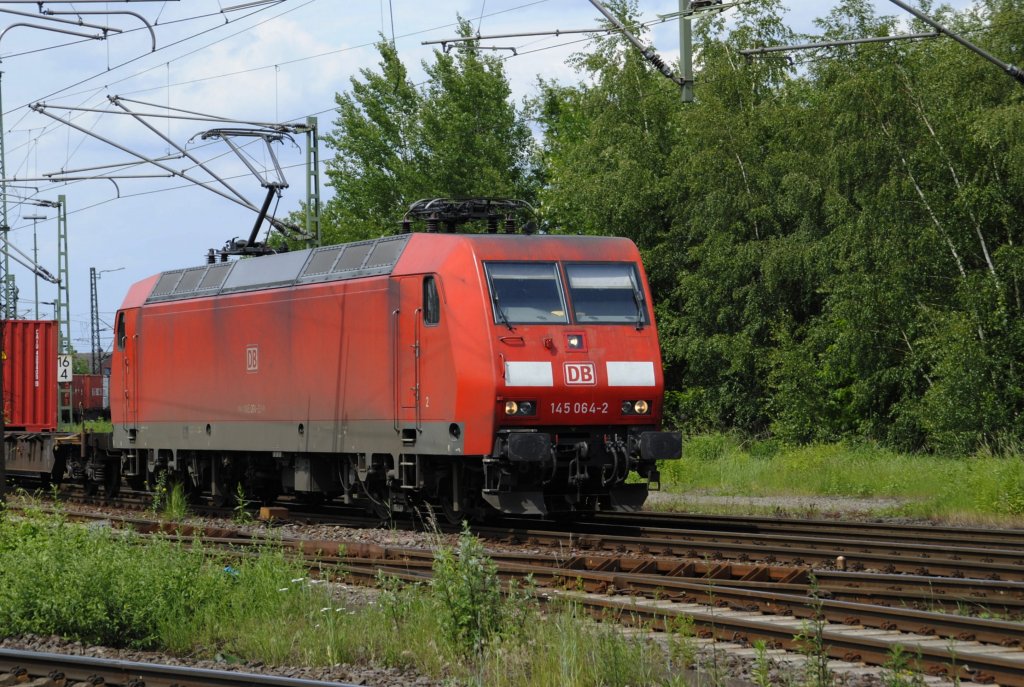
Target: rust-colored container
<point>87,396</point>
<point>30,375</point>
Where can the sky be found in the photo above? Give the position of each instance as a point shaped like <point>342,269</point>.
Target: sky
<point>270,61</point>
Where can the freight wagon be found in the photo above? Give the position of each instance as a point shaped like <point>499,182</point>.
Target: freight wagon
<point>90,397</point>
<point>34,447</point>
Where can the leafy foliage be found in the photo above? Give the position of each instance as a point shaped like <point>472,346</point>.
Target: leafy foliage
<point>834,245</point>
<point>460,136</point>
<point>466,585</point>
<point>100,586</point>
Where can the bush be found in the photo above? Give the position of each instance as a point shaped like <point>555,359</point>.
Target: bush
<point>468,591</point>
<point>111,587</point>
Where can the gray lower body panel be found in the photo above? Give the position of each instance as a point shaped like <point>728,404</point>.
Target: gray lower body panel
<point>363,436</point>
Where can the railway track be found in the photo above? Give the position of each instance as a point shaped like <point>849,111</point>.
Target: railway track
<point>980,554</point>
<point>50,670</point>
<point>980,561</point>
<point>961,617</point>
<point>877,531</point>
<point>858,616</point>
<point>723,603</point>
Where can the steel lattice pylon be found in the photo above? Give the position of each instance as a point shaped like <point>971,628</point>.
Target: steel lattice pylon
<point>62,307</point>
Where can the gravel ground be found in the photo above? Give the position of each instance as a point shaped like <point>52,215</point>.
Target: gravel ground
<point>359,675</point>
<point>718,663</point>
<point>722,664</point>
<point>820,506</point>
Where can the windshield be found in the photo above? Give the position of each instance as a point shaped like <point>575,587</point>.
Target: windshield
<point>526,292</point>
<point>606,292</point>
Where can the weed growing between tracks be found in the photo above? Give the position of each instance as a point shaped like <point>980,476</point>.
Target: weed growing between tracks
<point>984,487</point>
<point>811,641</point>
<point>108,587</point>
<point>900,671</point>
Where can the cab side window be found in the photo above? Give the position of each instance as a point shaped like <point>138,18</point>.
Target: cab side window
<point>431,302</point>
<point>120,331</point>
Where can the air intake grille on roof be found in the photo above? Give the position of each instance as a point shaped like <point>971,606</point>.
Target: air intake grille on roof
<point>215,276</point>
<point>189,280</point>
<point>168,280</point>
<point>353,257</point>
<point>385,253</point>
<point>322,261</point>
<point>330,263</point>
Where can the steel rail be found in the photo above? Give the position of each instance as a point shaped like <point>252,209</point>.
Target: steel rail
<point>117,671</point>
<point>858,554</point>
<point>740,596</point>
<point>957,595</point>
<point>947,535</point>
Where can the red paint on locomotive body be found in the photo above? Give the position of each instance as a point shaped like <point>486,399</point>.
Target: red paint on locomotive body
<point>423,357</point>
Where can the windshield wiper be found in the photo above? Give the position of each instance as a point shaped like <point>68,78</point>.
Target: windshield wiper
<point>639,300</point>
<point>501,313</point>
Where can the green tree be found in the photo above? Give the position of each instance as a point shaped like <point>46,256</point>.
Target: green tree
<point>607,142</point>
<point>376,168</point>
<point>460,135</point>
<point>475,141</point>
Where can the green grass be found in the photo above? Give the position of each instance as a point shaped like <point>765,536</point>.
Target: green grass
<point>95,426</point>
<point>980,487</point>
<point>102,586</point>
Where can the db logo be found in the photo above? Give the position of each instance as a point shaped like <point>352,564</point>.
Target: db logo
<point>252,358</point>
<point>580,373</point>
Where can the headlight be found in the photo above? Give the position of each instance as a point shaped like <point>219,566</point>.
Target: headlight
<point>640,407</point>
<point>520,408</point>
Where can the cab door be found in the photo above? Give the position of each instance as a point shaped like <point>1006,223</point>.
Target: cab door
<point>407,327</point>
<point>126,364</point>
<point>415,320</point>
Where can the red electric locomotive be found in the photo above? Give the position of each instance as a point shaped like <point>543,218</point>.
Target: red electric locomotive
<point>476,372</point>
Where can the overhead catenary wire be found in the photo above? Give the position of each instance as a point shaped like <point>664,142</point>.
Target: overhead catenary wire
<point>331,108</point>
<point>57,46</point>
<point>165,47</point>
<point>27,111</point>
<point>328,53</point>
<point>46,129</point>
<point>166,64</point>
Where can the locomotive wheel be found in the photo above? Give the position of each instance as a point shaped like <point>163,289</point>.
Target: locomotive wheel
<point>226,495</point>
<point>110,482</point>
<point>451,516</point>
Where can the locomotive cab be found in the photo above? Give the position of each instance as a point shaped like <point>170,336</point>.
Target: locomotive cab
<point>581,392</point>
